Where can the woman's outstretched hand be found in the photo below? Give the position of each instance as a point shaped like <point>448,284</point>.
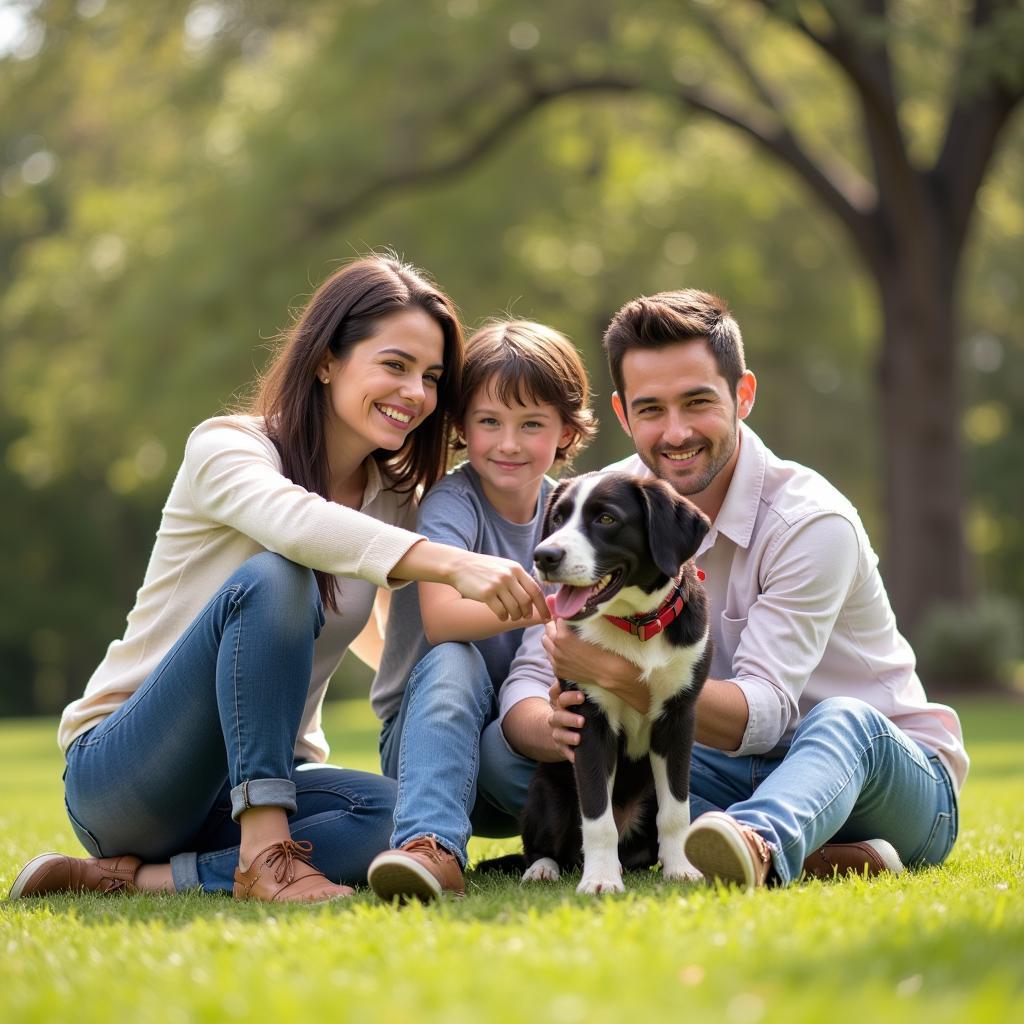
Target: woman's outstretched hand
<point>500,583</point>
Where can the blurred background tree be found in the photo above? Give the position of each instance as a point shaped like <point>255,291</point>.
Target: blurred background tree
<point>172,180</point>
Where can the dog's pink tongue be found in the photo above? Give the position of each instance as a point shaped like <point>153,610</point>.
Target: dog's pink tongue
<point>569,600</point>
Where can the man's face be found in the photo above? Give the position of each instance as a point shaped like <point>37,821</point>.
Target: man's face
<point>681,413</point>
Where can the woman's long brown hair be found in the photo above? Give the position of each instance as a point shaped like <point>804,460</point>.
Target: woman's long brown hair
<point>345,310</point>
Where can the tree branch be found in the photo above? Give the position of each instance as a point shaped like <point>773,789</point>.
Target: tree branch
<point>534,97</point>
<point>976,121</point>
<point>725,41</point>
<point>838,186</point>
<point>869,71</point>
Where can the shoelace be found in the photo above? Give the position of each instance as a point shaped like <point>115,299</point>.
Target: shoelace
<point>819,855</point>
<point>428,847</point>
<point>760,845</point>
<point>111,884</point>
<point>283,857</point>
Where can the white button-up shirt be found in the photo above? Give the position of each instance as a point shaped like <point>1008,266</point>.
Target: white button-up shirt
<point>798,612</point>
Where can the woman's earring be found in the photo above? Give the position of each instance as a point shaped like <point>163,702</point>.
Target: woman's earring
<point>325,380</point>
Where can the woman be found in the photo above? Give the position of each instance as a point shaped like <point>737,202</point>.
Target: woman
<point>199,733</point>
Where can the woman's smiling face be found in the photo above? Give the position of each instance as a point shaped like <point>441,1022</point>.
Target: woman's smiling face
<point>386,385</point>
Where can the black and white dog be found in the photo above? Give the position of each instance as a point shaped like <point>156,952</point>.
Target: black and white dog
<point>621,548</point>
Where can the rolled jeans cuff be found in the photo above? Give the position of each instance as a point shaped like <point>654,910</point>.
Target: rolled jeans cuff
<point>185,872</point>
<point>263,793</point>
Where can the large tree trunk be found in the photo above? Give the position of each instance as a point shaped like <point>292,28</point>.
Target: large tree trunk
<point>925,556</point>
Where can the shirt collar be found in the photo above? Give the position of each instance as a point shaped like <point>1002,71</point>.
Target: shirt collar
<point>374,481</point>
<point>738,514</point>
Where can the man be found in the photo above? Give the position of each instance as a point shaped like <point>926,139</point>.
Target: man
<point>817,748</point>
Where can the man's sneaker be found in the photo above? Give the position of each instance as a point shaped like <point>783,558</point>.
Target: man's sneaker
<point>420,869</point>
<point>720,847</point>
<point>54,872</point>
<point>870,857</point>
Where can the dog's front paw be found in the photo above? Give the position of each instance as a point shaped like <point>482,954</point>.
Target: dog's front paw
<point>544,869</point>
<point>679,869</point>
<point>600,885</point>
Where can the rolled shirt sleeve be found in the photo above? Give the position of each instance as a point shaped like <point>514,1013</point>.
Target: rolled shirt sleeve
<point>809,571</point>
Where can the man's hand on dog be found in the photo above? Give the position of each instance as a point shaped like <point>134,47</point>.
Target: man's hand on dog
<point>565,723</point>
<point>575,659</point>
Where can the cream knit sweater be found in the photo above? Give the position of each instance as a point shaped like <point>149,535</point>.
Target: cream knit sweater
<point>229,502</point>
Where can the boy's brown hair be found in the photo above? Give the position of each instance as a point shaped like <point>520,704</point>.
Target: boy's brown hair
<point>528,362</point>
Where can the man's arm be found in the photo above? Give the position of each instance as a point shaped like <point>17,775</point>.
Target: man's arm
<point>807,578</point>
<point>808,575</point>
<point>721,707</point>
<point>528,728</point>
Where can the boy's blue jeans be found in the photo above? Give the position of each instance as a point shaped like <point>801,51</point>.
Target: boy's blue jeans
<point>212,732</point>
<point>456,774</point>
<point>849,774</point>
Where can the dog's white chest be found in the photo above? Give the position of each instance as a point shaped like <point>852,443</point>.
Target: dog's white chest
<point>665,668</point>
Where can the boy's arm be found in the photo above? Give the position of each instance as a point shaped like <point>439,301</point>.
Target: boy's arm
<point>449,516</point>
<point>448,616</point>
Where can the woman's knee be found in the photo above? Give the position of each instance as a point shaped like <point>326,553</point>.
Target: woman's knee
<point>285,591</point>
<point>284,575</point>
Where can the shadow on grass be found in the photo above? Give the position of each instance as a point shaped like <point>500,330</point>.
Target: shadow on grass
<point>489,898</point>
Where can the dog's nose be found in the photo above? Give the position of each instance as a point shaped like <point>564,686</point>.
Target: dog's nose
<point>548,557</point>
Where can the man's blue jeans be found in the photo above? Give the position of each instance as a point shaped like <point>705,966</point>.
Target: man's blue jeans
<point>456,774</point>
<point>212,732</point>
<point>849,774</point>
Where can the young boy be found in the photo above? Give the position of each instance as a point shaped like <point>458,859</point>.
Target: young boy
<point>524,408</point>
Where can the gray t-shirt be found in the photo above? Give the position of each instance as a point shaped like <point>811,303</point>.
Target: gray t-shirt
<point>454,512</point>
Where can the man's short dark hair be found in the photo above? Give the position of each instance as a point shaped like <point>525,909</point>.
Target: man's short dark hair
<point>653,321</point>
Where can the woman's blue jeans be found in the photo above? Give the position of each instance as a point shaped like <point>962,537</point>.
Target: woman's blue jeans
<point>212,731</point>
<point>456,773</point>
<point>849,774</point>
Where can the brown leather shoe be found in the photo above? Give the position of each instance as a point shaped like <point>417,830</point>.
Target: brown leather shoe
<point>720,847</point>
<point>420,869</point>
<point>54,872</point>
<point>870,857</point>
<point>282,873</point>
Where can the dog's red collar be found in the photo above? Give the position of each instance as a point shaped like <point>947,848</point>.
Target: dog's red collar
<point>652,623</point>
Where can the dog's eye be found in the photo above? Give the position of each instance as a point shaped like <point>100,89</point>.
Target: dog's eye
<point>606,520</point>
<point>556,518</point>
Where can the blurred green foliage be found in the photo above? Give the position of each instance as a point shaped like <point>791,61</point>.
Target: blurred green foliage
<point>175,179</point>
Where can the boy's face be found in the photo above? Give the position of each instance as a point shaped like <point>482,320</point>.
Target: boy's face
<point>512,447</point>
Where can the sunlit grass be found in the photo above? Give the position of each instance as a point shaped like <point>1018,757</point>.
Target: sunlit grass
<point>940,945</point>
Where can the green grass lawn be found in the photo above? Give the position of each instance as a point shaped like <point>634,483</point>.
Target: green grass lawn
<point>944,944</point>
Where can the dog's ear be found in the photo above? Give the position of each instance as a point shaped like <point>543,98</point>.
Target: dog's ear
<point>552,499</point>
<point>675,526</point>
